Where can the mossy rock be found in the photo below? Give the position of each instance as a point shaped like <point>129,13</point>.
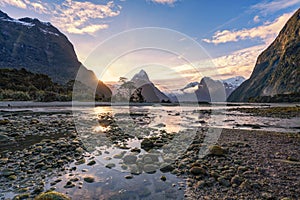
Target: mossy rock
<point>52,196</point>
<point>216,150</point>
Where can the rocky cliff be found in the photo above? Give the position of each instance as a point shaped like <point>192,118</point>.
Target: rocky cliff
<point>277,70</point>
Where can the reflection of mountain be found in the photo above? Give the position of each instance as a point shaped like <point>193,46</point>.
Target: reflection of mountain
<point>277,70</point>
<point>41,48</point>
<point>149,91</point>
<point>207,90</point>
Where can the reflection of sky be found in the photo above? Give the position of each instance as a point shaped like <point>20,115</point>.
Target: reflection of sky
<point>175,119</point>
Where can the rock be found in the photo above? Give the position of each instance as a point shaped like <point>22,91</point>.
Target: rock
<point>200,184</point>
<point>266,195</point>
<point>34,121</point>
<point>21,196</point>
<point>129,159</point>
<point>3,160</point>
<point>7,172</point>
<point>128,176</point>
<point>110,165</point>
<point>147,144</point>
<point>223,181</point>
<point>149,168</point>
<point>118,156</point>
<point>236,180</point>
<point>197,171</point>
<point>79,150</point>
<point>89,179</point>
<point>53,196</point>
<point>4,139</point>
<point>245,185</point>
<point>166,168</point>
<point>136,150</point>
<point>69,184</point>
<point>291,158</point>
<point>4,121</point>
<point>150,158</point>
<point>134,169</point>
<point>242,169</point>
<point>92,162</point>
<point>80,162</point>
<point>216,150</point>
<point>39,165</point>
<point>12,177</point>
<point>163,178</point>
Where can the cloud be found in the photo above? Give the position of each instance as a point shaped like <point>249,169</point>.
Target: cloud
<point>266,32</point>
<point>273,6</point>
<point>256,19</point>
<point>72,16</point>
<point>238,63</point>
<point>16,3</point>
<point>83,17</point>
<point>169,2</point>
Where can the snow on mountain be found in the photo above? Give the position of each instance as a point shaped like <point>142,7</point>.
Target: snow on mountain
<point>18,22</point>
<point>191,85</point>
<point>188,92</point>
<point>141,78</point>
<point>234,82</point>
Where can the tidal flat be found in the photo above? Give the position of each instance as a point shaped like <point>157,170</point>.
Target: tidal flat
<point>150,152</point>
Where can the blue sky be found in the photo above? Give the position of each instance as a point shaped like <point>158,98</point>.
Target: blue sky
<point>232,33</point>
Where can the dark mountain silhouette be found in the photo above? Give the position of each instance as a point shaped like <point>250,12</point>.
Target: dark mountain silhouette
<point>39,47</point>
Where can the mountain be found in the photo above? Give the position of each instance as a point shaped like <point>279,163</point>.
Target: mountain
<point>231,84</point>
<point>148,90</point>
<point>210,90</point>
<point>203,90</point>
<point>277,70</point>
<point>234,82</point>
<point>39,47</point>
<point>189,86</point>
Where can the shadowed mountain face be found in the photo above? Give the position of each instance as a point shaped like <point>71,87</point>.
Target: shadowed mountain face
<point>277,70</point>
<point>39,47</point>
<point>148,90</point>
<point>210,90</point>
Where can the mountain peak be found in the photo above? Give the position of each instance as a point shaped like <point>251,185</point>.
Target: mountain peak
<point>141,77</point>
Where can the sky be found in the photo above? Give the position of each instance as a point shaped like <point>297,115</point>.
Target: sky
<point>189,39</point>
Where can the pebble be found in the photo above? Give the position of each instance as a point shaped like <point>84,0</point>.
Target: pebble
<point>89,179</point>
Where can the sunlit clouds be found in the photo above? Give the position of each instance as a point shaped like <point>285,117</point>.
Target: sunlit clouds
<point>76,17</point>
<point>16,3</point>
<point>238,63</point>
<point>72,16</point>
<point>266,32</point>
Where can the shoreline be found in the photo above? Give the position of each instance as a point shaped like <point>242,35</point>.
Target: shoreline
<point>251,164</point>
